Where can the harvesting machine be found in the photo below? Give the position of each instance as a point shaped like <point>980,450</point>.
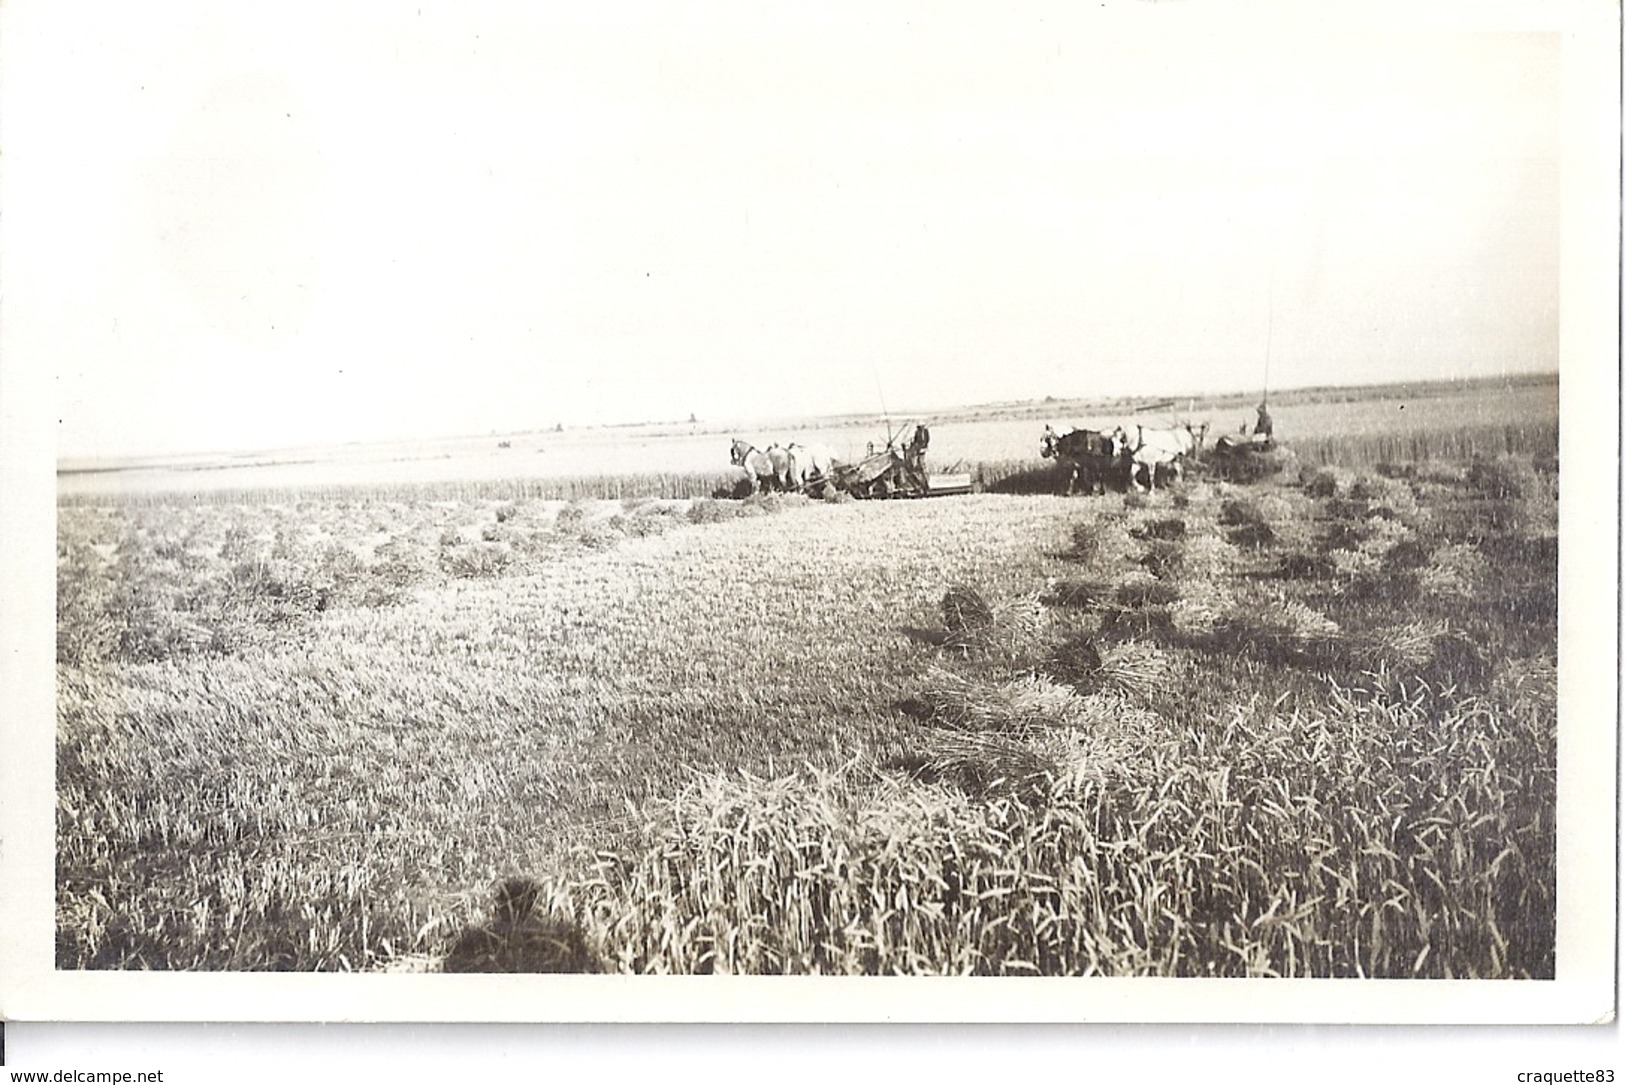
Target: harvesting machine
<point>898,470</point>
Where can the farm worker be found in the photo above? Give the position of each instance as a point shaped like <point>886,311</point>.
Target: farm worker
<point>914,451</point>
<point>914,456</point>
<point>1264,431</point>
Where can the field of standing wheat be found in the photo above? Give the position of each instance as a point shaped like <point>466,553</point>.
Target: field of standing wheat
<point>1301,727</point>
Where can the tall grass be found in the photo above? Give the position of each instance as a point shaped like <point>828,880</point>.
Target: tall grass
<point>1376,838</point>
<point>1457,443</point>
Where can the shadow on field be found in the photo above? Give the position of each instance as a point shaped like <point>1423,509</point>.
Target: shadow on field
<point>936,638</point>
<point>735,491</point>
<point>917,707</point>
<point>517,938</point>
<point>1026,482</point>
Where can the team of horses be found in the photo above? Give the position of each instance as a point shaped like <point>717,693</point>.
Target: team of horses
<point>1132,456</point>
<point>784,468</point>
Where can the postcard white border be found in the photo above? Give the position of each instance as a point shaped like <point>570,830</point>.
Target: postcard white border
<point>30,989</point>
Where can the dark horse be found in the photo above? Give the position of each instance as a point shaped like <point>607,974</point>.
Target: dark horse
<point>1094,456</point>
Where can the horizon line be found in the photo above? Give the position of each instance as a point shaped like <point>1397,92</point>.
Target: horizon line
<point>844,417</point>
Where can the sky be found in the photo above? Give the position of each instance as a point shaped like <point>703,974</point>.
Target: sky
<point>255,226</point>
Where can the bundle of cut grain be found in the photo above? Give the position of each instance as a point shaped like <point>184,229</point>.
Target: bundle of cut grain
<point>1324,482</point>
<point>711,510</point>
<point>1381,536</point>
<point>1198,614</point>
<point>1012,625</point>
<point>1112,736</point>
<point>986,766</point>
<point>1308,566</point>
<point>1018,705</point>
<point>965,612</point>
<point>1276,626</point>
<point>1169,529</point>
<point>1410,644</point>
<point>1022,619</point>
<point>1141,592</point>
<point>1076,661</point>
<point>1506,477</point>
<point>1163,560</point>
<point>1206,558</point>
<point>1079,594</point>
<point>1454,572</point>
<point>1131,668</point>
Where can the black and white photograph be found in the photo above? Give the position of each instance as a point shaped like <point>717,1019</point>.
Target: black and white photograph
<point>522,507</point>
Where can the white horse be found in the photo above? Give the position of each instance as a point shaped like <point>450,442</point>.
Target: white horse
<point>810,464</point>
<point>1153,448</point>
<point>766,470</point>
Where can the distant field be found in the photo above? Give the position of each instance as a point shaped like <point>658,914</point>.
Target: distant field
<point>698,454</point>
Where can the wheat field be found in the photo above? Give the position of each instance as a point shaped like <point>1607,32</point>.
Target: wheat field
<point>1299,728</point>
